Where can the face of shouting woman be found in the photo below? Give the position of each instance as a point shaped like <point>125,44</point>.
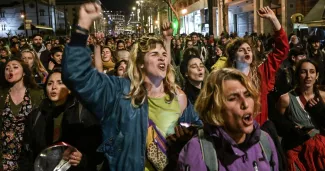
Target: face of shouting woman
<point>238,109</point>
<point>56,91</point>
<point>14,72</point>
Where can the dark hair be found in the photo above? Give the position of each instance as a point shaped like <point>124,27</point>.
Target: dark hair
<point>189,53</point>
<point>118,65</point>
<point>37,35</point>
<point>194,34</point>
<point>55,70</point>
<point>299,65</point>
<point>55,50</point>
<point>297,51</point>
<point>29,81</point>
<point>313,39</point>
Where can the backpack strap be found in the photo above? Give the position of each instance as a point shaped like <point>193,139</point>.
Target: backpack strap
<point>209,152</point>
<point>266,149</point>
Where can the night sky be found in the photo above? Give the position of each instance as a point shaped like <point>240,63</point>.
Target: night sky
<point>121,5</point>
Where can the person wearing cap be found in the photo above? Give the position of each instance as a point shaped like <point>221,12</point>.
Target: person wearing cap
<point>285,75</point>
<point>314,52</point>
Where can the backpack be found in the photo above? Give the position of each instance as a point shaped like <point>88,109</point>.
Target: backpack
<point>209,152</point>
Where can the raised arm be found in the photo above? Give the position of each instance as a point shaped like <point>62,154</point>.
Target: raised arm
<point>97,52</point>
<point>280,50</point>
<point>96,90</point>
<point>167,36</point>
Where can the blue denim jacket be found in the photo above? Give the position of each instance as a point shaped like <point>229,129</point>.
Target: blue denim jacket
<point>124,127</point>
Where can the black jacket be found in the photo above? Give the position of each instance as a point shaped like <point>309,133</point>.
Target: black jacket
<point>79,129</point>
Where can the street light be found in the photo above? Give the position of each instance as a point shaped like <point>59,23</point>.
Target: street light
<point>134,8</point>
<point>184,11</point>
<point>22,16</point>
<point>157,22</point>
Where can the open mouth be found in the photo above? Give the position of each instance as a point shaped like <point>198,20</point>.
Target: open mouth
<point>247,57</point>
<point>162,67</point>
<point>11,76</point>
<point>248,119</point>
<point>53,94</point>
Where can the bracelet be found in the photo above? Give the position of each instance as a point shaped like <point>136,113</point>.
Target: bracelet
<point>85,31</point>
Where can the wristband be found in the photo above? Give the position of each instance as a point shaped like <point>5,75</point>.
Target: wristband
<point>77,27</point>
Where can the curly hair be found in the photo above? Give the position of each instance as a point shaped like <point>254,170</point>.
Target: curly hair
<point>211,100</point>
<point>138,92</point>
<point>231,50</point>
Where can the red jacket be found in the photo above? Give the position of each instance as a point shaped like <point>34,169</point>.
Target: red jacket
<point>268,70</point>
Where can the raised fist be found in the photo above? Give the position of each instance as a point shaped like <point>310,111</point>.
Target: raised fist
<point>88,13</point>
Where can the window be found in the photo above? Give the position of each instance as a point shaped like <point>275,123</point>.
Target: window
<point>61,25</point>
<point>3,27</point>
<point>41,12</point>
<point>2,14</point>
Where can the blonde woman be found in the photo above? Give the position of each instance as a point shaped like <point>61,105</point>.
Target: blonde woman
<point>227,105</point>
<point>125,106</point>
<point>38,70</point>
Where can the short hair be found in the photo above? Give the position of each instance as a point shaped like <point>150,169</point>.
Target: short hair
<point>211,100</point>
<point>194,34</point>
<point>55,50</point>
<point>37,35</point>
<point>189,53</point>
<point>313,39</point>
<point>297,51</point>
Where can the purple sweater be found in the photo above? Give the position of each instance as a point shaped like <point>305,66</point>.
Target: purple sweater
<point>230,156</point>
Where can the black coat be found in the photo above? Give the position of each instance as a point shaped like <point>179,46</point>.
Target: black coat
<point>79,129</point>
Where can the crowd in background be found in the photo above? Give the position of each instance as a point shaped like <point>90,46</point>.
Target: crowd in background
<point>42,105</point>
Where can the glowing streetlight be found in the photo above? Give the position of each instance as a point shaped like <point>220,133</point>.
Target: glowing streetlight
<point>133,8</point>
<point>22,16</point>
<point>157,22</point>
<point>184,11</point>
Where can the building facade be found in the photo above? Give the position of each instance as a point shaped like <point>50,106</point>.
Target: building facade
<point>42,15</point>
<point>239,16</point>
<point>116,21</point>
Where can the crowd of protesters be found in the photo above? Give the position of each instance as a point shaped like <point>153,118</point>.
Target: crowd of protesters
<point>164,102</point>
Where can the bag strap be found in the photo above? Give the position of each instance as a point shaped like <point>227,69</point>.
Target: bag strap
<point>266,148</point>
<point>209,152</point>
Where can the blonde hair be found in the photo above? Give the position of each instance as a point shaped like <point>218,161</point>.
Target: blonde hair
<point>37,65</point>
<point>211,100</point>
<point>138,92</point>
<point>231,50</point>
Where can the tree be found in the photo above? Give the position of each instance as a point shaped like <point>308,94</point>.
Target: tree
<point>171,6</point>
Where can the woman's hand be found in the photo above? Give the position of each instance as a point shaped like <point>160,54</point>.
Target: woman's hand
<point>88,13</point>
<point>267,13</point>
<point>73,156</point>
<point>99,38</point>
<point>167,30</point>
<point>182,134</point>
<point>51,65</point>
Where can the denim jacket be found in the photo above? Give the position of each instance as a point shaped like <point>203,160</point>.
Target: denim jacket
<point>124,127</point>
